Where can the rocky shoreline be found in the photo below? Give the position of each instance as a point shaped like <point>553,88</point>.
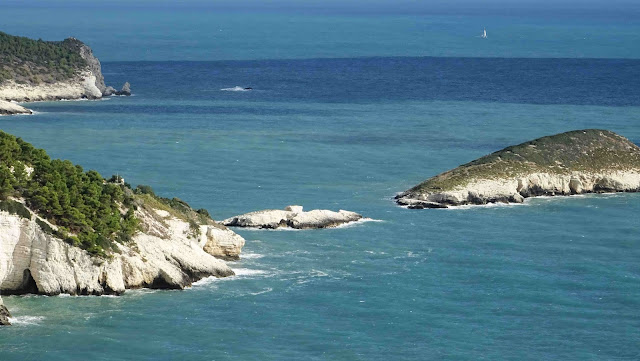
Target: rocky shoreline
<point>584,161</point>
<point>292,217</point>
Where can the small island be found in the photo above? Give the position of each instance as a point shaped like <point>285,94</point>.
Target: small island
<point>66,230</point>
<point>37,70</point>
<point>576,162</point>
<point>292,217</point>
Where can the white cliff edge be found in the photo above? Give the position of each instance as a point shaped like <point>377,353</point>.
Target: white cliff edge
<point>515,190</point>
<point>32,261</point>
<point>292,217</point>
<point>575,162</point>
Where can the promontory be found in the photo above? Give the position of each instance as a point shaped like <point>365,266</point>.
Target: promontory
<point>37,70</point>
<point>66,230</point>
<point>575,162</point>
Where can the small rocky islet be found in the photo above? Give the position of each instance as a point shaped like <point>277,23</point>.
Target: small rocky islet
<point>575,162</point>
<point>293,217</point>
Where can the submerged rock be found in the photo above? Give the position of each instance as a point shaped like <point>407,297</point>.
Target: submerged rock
<point>292,217</point>
<point>581,161</point>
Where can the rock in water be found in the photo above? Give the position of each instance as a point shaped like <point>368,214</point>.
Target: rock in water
<point>292,217</point>
<point>581,161</point>
<point>4,314</point>
<point>109,91</point>
<point>126,89</point>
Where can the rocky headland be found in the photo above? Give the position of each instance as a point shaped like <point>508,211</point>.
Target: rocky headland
<point>576,162</point>
<point>64,230</point>
<point>36,70</point>
<point>292,217</point>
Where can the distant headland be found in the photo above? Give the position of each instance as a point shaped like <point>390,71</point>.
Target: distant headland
<point>37,70</point>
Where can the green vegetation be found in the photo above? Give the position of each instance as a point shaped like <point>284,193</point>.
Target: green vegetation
<point>35,61</point>
<point>146,197</point>
<point>87,210</point>
<point>590,150</point>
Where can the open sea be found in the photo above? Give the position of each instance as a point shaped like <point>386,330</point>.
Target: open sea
<point>347,110</point>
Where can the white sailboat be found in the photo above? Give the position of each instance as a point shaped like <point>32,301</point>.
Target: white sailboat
<point>484,34</point>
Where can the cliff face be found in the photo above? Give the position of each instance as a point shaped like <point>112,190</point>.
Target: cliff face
<point>33,261</point>
<point>583,161</point>
<point>93,64</point>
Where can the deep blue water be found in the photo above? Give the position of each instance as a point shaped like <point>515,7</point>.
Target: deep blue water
<point>351,104</point>
<point>555,278</point>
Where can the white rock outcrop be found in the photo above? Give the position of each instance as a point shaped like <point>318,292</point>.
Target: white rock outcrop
<point>83,86</point>
<point>34,261</point>
<point>292,217</point>
<point>9,108</point>
<point>515,190</point>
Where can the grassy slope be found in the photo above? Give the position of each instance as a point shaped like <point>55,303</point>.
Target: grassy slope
<point>590,150</point>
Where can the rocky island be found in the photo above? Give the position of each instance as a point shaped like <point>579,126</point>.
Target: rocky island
<point>576,162</point>
<point>292,217</point>
<point>64,230</point>
<point>37,70</point>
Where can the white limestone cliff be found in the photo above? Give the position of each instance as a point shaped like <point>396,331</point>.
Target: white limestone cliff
<point>34,261</point>
<point>515,190</point>
<point>83,86</point>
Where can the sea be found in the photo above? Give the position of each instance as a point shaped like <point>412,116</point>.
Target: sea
<point>348,108</point>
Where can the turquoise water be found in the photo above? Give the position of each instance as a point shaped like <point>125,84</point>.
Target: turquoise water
<point>554,278</point>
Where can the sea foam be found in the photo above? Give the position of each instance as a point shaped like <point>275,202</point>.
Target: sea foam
<point>235,89</point>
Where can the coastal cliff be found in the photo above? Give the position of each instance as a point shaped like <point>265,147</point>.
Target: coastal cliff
<point>64,230</point>
<point>576,162</point>
<point>168,255</point>
<point>36,70</point>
